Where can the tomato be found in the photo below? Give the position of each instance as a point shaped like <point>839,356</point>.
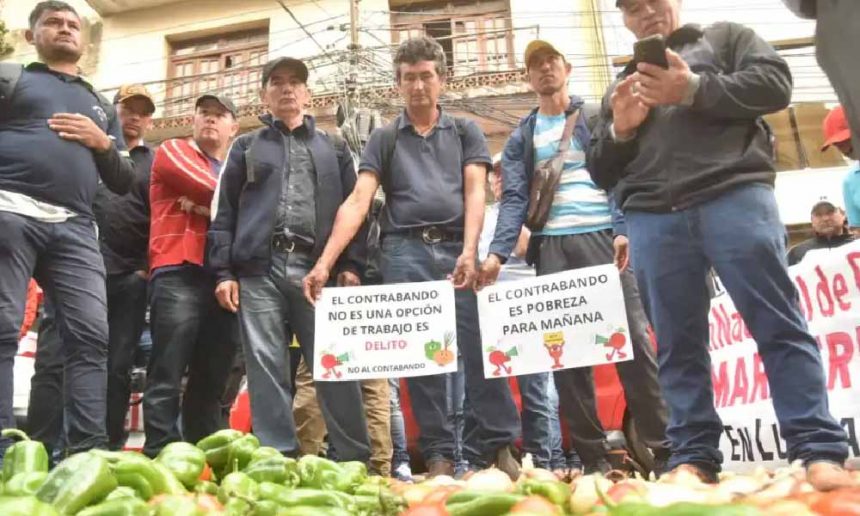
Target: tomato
<point>206,474</point>
<point>535,505</point>
<point>436,509</point>
<point>842,502</point>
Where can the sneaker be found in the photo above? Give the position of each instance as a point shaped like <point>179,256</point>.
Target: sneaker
<point>828,476</point>
<point>403,473</point>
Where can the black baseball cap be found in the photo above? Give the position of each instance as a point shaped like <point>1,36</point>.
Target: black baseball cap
<point>823,206</point>
<point>224,100</point>
<point>296,65</point>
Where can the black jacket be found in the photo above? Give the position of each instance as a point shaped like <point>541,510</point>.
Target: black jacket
<point>683,155</point>
<point>249,189</point>
<point>123,220</point>
<point>796,253</point>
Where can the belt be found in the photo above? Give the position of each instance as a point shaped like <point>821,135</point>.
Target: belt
<point>286,244</point>
<point>434,234</point>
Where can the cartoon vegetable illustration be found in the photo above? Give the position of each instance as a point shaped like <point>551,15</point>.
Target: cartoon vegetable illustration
<point>499,358</point>
<point>616,342</point>
<point>430,349</point>
<point>329,361</point>
<point>554,344</point>
<point>445,356</point>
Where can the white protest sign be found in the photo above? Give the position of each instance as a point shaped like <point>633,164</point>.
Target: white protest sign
<point>828,282</point>
<point>387,331</point>
<point>570,319</point>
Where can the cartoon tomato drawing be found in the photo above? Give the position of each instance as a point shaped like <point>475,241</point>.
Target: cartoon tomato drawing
<point>330,362</point>
<point>500,358</point>
<point>615,342</point>
<point>554,344</point>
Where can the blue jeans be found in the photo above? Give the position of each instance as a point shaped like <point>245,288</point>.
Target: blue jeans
<point>265,302</point>
<point>457,412</point>
<point>492,415</point>
<point>537,417</point>
<point>740,234</point>
<point>398,427</point>
<point>65,259</point>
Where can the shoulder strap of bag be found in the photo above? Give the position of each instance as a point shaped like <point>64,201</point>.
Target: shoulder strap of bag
<point>569,123</point>
<point>9,75</point>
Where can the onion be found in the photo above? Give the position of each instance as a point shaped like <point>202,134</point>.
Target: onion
<point>491,480</point>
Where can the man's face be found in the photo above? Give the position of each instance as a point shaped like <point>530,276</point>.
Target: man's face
<point>134,117</point>
<point>649,17</point>
<point>827,221</point>
<point>846,148</point>
<point>420,85</point>
<point>547,72</point>
<point>213,123</point>
<point>286,95</point>
<point>57,36</point>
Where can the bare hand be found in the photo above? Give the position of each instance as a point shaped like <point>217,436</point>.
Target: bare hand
<point>622,252</point>
<point>227,293</point>
<point>80,128</point>
<point>314,283</point>
<point>628,110</point>
<point>348,279</point>
<point>488,272</point>
<point>657,86</point>
<point>464,273</point>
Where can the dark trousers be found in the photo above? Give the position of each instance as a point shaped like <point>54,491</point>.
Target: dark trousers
<point>65,259</point>
<point>126,297</point>
<point>265,303</point>
<point>190,331</point>
<point>44,413</point>
<point>638,376</point>
<point>491,420</point>
<point>738,233</point>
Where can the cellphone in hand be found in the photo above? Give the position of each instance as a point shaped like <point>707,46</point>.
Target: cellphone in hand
<point>651,50</point>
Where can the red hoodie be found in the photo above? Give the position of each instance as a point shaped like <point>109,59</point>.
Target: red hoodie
<point>179,169</point>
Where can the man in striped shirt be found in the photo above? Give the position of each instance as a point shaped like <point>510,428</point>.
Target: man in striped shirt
<point>578,233</point>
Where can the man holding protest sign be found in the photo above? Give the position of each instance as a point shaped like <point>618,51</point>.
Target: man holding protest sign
<point>701,197</point>
<point>278,195</point>
<point>432,168</point>
<point>577,232</point>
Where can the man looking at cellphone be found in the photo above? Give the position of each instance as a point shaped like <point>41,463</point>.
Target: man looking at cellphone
<point>690,159</point>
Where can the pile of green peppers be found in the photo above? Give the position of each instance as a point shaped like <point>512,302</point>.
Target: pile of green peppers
<point>246,480</point>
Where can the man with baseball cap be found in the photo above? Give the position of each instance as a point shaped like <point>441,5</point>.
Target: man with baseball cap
<point>837,133</point>
<point>278,194</point>
<point>189,329</point>
<point>829,230</point>
<point>582,228</point>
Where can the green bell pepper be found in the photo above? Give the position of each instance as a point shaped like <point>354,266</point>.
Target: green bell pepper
<point>216,447</point>
<point>354,474</point>
<point>489,505</point>
<point>240,485</point>
<point>24,456</point>
<point>311,510</point>
<point>118,507</point>
<point>265,508</point>
<point>185,461</point>
<point>145,476</point>
<point>319,473</point>
<point>264,452</point>
<point>554,491</point>
<point>239,453</point>
<point>25,506</point>
<point>279,470</point>
<point>287,497</point>
<point>77,482</point>
<point>237,507</point>
<point>25,484</point>
<point>177,505</point>
<point>682,509</point>
<point>121,492</point>
<point>206,487</point>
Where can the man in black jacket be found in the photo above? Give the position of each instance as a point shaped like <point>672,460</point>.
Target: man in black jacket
<point>691,162</point>
<point>123,222</point>
<point>274,210</point>
<point>49,173</point>
<point>830,229</point>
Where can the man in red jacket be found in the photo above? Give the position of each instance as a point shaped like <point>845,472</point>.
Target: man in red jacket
<point>189,329</point>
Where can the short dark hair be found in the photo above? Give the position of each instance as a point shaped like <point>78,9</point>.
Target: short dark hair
<point>49,5</point>
<point>422,48</point>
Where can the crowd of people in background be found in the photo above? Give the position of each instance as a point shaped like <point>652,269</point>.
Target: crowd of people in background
<point>221,243</point>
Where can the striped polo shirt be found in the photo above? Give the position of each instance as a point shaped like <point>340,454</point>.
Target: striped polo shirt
<point>579,206</point>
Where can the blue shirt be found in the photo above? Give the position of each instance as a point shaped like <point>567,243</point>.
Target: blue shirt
<point>579,206</point>
<point>34,160</point>
<point>851,194</point>
<point>426,176</point>
<point>515,267</point>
